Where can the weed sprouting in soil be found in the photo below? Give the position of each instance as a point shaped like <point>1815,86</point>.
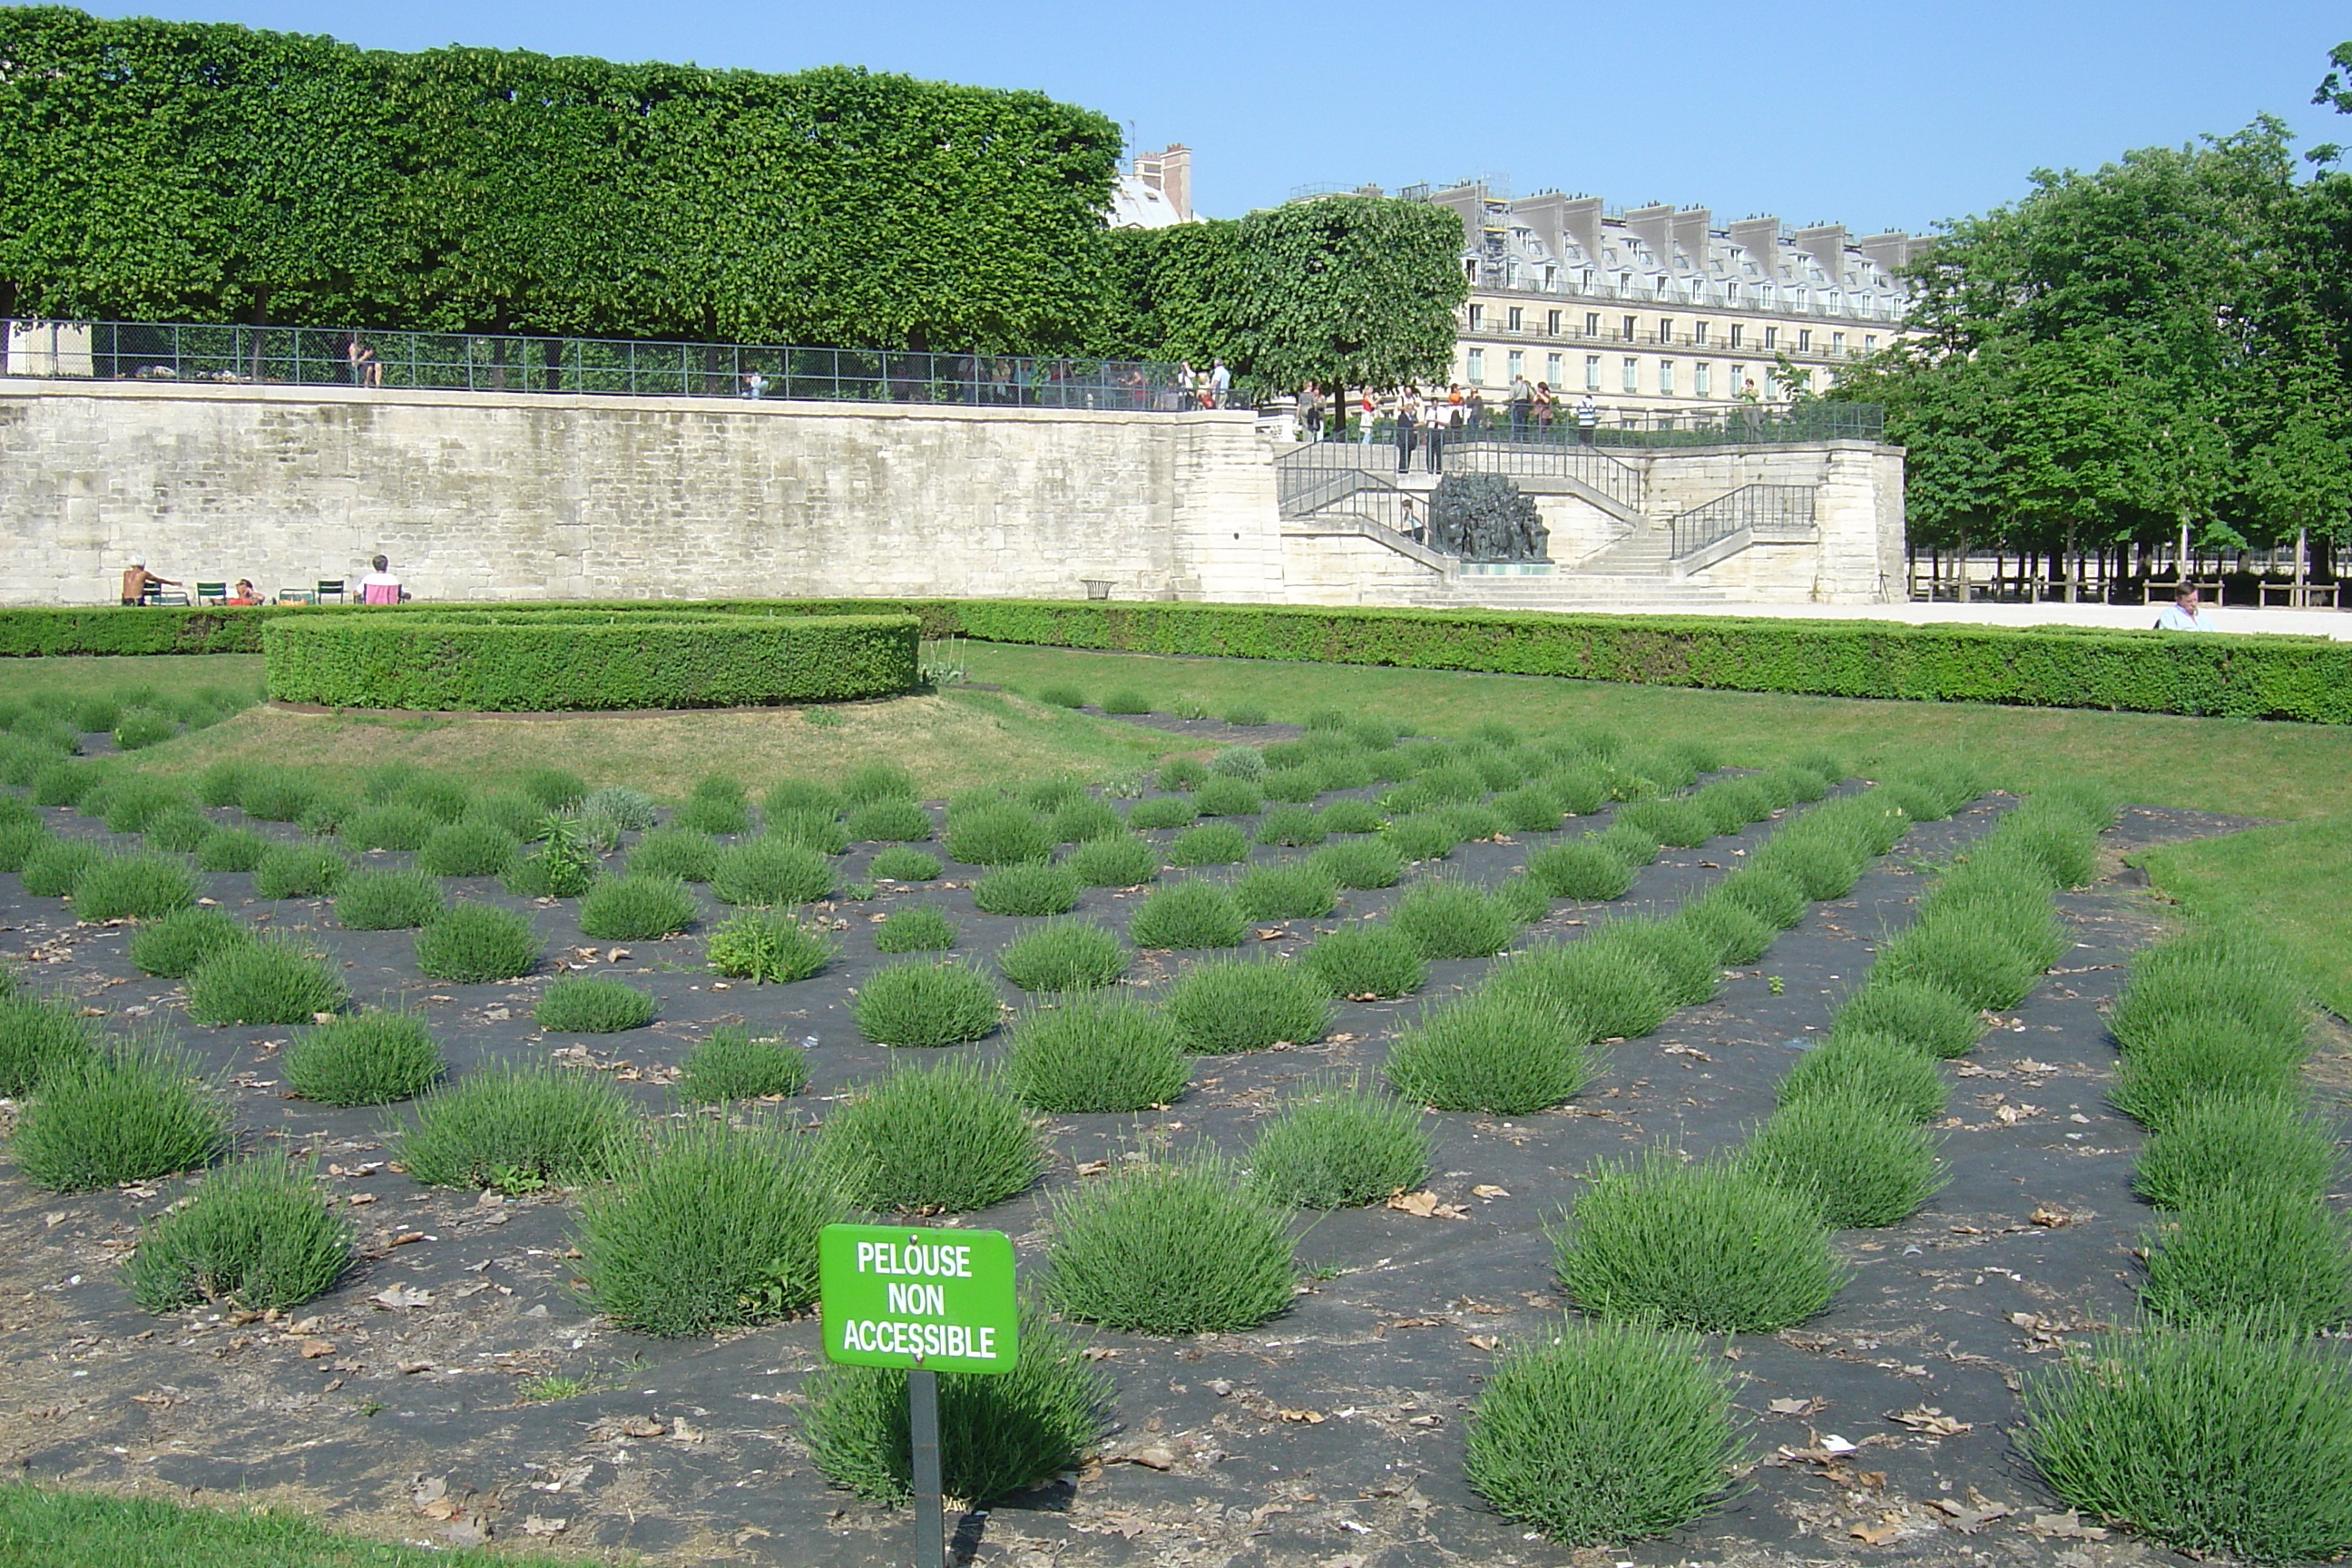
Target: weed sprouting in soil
<point>771,947</point>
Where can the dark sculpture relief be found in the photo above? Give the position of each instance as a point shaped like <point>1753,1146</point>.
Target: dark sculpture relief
<point>1483,517</point>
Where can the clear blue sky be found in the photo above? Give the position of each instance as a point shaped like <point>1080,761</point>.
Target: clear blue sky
<point>1889,116</point>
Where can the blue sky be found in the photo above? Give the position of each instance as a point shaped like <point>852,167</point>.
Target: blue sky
<point>1881,116</point>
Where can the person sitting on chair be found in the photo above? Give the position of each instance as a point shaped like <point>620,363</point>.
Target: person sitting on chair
<point>244,594</point>
<point>138,583</point>
<point>379,586</point>
<point>2180,615</point>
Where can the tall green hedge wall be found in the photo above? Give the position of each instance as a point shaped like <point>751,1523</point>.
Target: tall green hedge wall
<point>557,659</point>
<point>171,171</point>
<point>2249,676</point>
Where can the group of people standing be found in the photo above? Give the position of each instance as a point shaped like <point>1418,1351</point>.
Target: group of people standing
<point>1427,421</point>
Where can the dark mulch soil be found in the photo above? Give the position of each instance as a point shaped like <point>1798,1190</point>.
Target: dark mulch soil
<point>1330,1436</point>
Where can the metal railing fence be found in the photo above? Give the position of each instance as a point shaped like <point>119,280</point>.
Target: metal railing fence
<point>481,362</point>
<point>1496,452</point>
<point>1750,506</point>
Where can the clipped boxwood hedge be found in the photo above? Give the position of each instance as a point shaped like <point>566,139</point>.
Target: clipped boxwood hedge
<point>498,660</point>
<point>2251,675</point>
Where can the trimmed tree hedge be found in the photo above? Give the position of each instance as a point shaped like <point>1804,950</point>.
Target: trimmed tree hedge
<point>2228,675</point>
<point>541,660</point>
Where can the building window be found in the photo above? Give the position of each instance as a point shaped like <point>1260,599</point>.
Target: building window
<point>1804,340</point>
<point>1837,343</point>
<point>1772,337</point>
<point>1737,333</point>
<point>1702,379</point>
<point>1666,329</point>
<point>1476,373</point>
<point>1552,279</point>
<point>1553,372</point>
<point>1477,317</point>
<point>1591,372</point>
<point>1633,373</point>
<point>1666,378</point>
<point>1551,324</point>
<point>1470,269</point>
<point>1629,328</point>
<point>1516,317</point>
<point>1738,382</point>
<point>1699,333</point>
<point>1518,364</point>
<point>1592,324</point>
<point>1870,343</point>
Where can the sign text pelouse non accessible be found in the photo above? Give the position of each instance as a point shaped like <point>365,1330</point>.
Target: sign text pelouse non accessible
<point>940,1300</point>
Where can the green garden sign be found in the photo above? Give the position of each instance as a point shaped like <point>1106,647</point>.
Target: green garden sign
<point>926,1301</point>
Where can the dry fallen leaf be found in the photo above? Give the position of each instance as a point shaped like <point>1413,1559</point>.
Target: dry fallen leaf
<point>1488,1191</point>
<point>535,1525</point>
<point>2051,1218</point>
<point>1485,1342</point>
<point>314,1349</point>
<point>1153,1457</point>
<point>1797,1406</point>
<point>2067,1526</point>
<point>1425,1205</point>
<point>401,1297</point>
<point>1311,1418</point>
<point>1889,1527</point>
<point>642,1426</point>
<point>1931,1420</point>
<point>1969,1518</point>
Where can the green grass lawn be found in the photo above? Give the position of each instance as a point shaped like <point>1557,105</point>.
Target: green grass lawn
<point>42,1528</point>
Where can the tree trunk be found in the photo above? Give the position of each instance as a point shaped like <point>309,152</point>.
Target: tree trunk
<point>2074,568</point>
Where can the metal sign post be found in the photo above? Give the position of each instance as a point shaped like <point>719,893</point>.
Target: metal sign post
<point>926,1300</point>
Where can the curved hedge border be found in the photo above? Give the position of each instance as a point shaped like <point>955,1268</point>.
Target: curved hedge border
<point>450,660</point>
<point>2247,676</point>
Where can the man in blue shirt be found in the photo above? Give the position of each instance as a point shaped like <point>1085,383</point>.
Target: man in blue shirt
<point>2180,615</point>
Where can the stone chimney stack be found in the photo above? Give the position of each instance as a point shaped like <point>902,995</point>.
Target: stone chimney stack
<point>1170,171</point>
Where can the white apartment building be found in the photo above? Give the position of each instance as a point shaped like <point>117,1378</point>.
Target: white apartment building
<point>1657,309</point>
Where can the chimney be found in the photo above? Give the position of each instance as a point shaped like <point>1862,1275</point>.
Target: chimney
<point>1760,238</point>
<point>1891,251</point>
<point>1825,243</point>
<point>1170,173</point>
<point>1693,227</point>
<point>1546,215</point>
<point>1651,226</point>
<point>1580,217</point>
